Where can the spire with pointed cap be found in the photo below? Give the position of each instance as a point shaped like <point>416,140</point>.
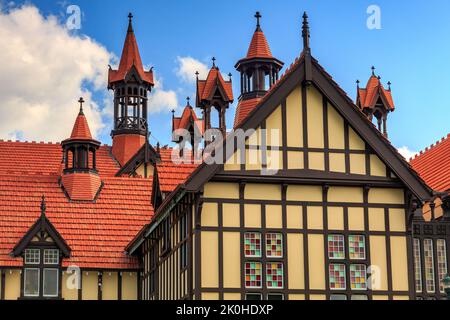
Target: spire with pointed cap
<point>305,31</point>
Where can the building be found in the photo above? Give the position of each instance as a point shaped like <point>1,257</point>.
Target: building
<point>325,211</point>
<point>311,203</point>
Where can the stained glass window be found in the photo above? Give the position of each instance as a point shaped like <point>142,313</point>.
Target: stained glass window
<point>358,277</point>
<point>357,247</point>
<point>336,247</point>
<point>274,275</point>
<point>442,262</point>
<point>337,277</point>
<point>253,245</point>
<point>417,265</point>
<point>253,275</point>
<point>429,265</point>
<point>274,245</point>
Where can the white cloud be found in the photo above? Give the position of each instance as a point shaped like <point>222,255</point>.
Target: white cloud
<point>161,100</point>
<point>407,153</point>
<point>44,70</point>
<point>187,66</point>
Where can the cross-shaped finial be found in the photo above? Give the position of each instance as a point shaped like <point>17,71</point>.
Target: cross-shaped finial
<point>81,101</point>
<point>130,16</point>
<point>214,61</point>
<point>258,16</point>
<point>373,70</point>
<point>130,25</point>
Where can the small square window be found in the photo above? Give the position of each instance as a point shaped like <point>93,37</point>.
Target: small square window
<point>252,244</point>
<point>274,275</point>
<point>274,245</point>
<point>253,296</point>
<point>337,277</point>
<point>358,277</point>
<point>338,297</point>
<point>357,247</point>
<point>32,256</point>
<point>253,275</point>
<point>359,297</point>
<point>336,248</point>
<point>51,256</point>
<point>275,296</point>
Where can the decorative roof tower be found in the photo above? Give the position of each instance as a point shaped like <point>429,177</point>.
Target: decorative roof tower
<point>214,92</point>
<point>259,71</point>
<point>131,84</point>
<point>376,101</point>
<point>80,179</point>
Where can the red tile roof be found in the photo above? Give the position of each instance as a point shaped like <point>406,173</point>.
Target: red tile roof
<point>207,88</point>
<point>81,186</point>
<point>97,232</point>
<point>130,57</point>
<point>184,122</point>
<point>367,97</point>
<point>259,47</point>
<point>81,129</point>
<point>31,158</point>
<point>433,165</point>
<point>243,108</point>
<point>171,174</point>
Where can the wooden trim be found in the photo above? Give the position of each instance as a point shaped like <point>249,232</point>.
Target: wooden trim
<point>3,284</point>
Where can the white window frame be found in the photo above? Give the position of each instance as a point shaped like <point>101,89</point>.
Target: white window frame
<point>57,256</point>
<point>417,265</point>
<point>32,250</point>
<point>43,283</point>
<point>38,283</point>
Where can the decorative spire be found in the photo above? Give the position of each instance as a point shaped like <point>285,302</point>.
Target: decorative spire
<point>81,101</point>
<point>305,32</point>
<point>258,26</point>
<point>214,62</point>
<point>130,22</point>
<point>43,206</point>
<point>373,70</point>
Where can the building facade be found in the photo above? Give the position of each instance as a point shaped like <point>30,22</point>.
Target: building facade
<point>310,202</point>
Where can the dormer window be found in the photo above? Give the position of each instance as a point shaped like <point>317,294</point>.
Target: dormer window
<point>41,273</point>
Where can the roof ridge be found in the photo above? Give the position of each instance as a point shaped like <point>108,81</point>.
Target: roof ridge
<point>431,147</point>
<point>30,142</point>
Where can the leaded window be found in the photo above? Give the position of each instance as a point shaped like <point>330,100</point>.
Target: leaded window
<point>429,265</point>
<point>417,265</point>
<point>358,277</point>
<point>356,247</point>
<point>336,247</point>
<point>274,245</point>
<point>252,244</point>
<point>337,277</point>
<point>253,275</point>
<point>274,275</point>
<point>441,261</point>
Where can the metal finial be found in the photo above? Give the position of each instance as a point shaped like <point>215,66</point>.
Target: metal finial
<point>130,24</point>
<point>389,85</point>
<point>188,99</point>
<point>379,78</point>
<point>214,61</point>
<point>229,76</point>
<point>357,83</point>
<point>258,16</point>
<point>81,101</point>
<point>43,205</point>
<point>305,31</point>
<point>373,70</point>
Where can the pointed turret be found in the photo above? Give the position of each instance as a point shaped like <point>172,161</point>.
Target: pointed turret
<point>131,84</point>
<point>79,178</point>
<point>259,71</point>
<point>376,101</point>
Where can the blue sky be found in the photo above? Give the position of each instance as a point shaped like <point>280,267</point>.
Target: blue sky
<point>411,50</point>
